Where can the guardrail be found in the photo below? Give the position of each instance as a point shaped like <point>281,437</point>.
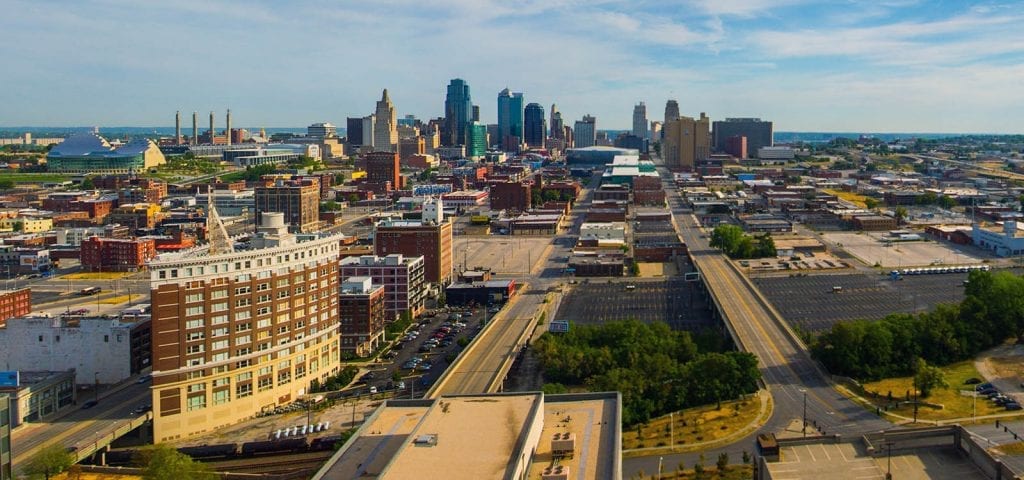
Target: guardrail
<point>107,438</point>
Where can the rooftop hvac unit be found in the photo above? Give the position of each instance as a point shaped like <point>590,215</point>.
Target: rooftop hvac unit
<point>560,472</point>
<point>563,443</point>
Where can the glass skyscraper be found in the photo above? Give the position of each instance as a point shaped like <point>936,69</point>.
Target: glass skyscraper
<point>510,119</point>
<point>458,112</point>
<point>535,126</point>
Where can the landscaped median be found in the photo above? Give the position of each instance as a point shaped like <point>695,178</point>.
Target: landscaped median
<point>95,276</point>
<point>698,428</point>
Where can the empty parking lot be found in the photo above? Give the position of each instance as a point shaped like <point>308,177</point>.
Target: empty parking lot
<point>671,300</point>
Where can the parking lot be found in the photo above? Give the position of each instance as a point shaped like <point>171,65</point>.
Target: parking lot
<point>869,248</point>
<point>500,253</point>
<point>811,303</point>
<point>671,300</point>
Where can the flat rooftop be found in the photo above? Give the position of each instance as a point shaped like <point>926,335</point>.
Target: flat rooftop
<point>850,461</point>
<point>482,436</point>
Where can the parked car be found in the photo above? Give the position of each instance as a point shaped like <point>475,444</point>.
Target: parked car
<point>89,404</point>
<point>972,381</point>
<point>1012,406</point>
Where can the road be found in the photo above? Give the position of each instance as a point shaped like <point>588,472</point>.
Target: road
<point>790,375</point>
<point>81,428</point>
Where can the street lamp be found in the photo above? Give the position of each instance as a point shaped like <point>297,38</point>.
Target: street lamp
<point>804,391</point>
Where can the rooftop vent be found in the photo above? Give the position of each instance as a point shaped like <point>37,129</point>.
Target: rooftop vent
<point>563,443</point>
<point>426,440</point>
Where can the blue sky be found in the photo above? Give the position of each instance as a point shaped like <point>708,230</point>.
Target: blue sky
<point>842,65</point>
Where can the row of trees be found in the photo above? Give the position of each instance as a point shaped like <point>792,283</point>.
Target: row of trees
<point>736,244</point>
<point>159,462</point>
<point>868,350</point>
<point>656,369</point>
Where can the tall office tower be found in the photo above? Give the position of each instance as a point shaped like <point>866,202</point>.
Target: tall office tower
<point>177,127</point>
<point>534,126</point>
<point>382,167</point>
<point>585,132</point>
<point>476,140</point>
<point>298,200</point>
<point>227,127</point>
<point>195,128</point>
<point>415,238</point>
<point>687,141</point>
<point>369,122</point>
<point>238,332</point>
<point>476,113</point>
<point>758,133</point>
<point>354,132</point>
<point>385,127</point>
<point>671,111</point>
<point>458,109</point>
<point>510,119</point>
<point>557,124</point>
<point>640,120</point>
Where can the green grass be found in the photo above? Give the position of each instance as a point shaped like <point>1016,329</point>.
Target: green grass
<point>953,404</point>
<point>34,177</point>
<point>699,424</point>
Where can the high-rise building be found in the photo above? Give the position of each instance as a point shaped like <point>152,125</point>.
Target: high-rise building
<point>655,133</point>
<point>585,132</point>
<point>298,200</point>
<point>322,130</point>
<point>686,141</point>
<point>476,140</point>
<point>238,332</point>
<point>671,111</point>
<point>476,113</point>
<point>384,167</point>
<point>640,120</point>
<point>369,122</point>
<point>510,119</point>
<point>362,315</point>
<point>412,238</point>
<point>736,146</point>
<point>385,128</point>
<point>409,146</point>
<point>758,133</point>
<point>534,126</point>
<point>557,124</point>
<point>458,111</point>
<point>354,132</point>
<point>403,278</point>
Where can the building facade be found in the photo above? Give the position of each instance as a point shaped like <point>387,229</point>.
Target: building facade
<point>362,315</point>
<point>432,241</point>
<point>384,167</point>
<point>510,120</point>
<point>686,141</point>
<point>91,153</point>
<point>298,200</point>
<point>671,111</point>
<point>585,132</point>
<point>100,254</point>
<point>759,133</point>
<point>458,113</point>
<point>535,129</point>
<point>241,332</point>
<point>511,196</point>
<point>385,126</point>
<point>476,140</point>
<point>354,132</point>
<point>403,278</point>
<point>39,395</point>
<point>640,120</point>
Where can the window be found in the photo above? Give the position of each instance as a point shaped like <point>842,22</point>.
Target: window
<point>243,327</point>
<point>219,357</point>
<point>263,286</point>
<point>282,282</point>
<point>197,323</point>
<point>263,298</point>
<point>243,351</point>
<point>218,319</point>
<point>197,402</point>
<point>243,363</point>
<point>241,377</point>
<point>283,365</point>
<point>193,349</point>
<point>218,293</point>
<point>244,390</point>
<point>263,311</point>
<point>282,294</point>
<point>106,339</point>
<point>219,345</point>
<point>243,290</point>
<point>221,396</point>
<point>197,387</point>
<point>194,297</point>
<point>242,315</point>
<point>196,310</point>
<point>266,384</point>
<point>193,336</point>
<point>283,378</point>
<point>265,370</point>
<point>243,339</point>
<point>264,323</point>
<point>243,302</point>
<point>219,307</point>
<point>219,332</point>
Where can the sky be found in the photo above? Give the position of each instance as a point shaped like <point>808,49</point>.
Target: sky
<point>839,66</point>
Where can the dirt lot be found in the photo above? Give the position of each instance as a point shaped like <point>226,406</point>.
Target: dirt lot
<point>657,269</point>
<point>869,248</point>
<point>502,254</point>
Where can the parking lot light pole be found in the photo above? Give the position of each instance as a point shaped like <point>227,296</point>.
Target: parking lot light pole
<point>804,391</point>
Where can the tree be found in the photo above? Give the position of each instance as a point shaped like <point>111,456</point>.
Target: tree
<point>87,184</point>
<point>870,203</point>
<point>330,206</point>
<point>49,461</point>
<point>901,215</point>
<point>6,184</point>
<point>723,461</point>
<point>163,462</point>
<point>928,378</point>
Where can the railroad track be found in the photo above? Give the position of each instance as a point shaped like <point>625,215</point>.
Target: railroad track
<point>273,463</point>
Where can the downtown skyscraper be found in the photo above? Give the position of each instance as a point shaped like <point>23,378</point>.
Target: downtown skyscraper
<point>385,126</point>
<point>510,120</point>
<point>458,113</point>
<point>640,120</point>
<point>557,124</point>
<point>534,126</point>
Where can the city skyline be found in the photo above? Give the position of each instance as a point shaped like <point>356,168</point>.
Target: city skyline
<point>900,66</point>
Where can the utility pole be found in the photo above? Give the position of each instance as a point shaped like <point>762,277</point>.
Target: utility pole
<point>804,391</point>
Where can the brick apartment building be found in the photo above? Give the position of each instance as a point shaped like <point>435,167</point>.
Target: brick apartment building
<point>410,238</point>
<point>14,303</point>
<point>511,196</point>
<point>298,200</point>
<point>362,315</point>
<point>116,254</point>
<point>383,167</point>
<point>241,332</point>
<point>403,278</point>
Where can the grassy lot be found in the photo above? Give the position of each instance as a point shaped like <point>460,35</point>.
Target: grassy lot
<point>34,177</point>
<point>1011,448</point>
<point>95,276</point>
<point>116,300</point>
<point>732,472</point>
<point>851,197</point>
<point>954,405</point>
<point>698,424</point>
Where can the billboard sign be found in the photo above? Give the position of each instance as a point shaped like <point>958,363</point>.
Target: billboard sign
<point>9,379</point>
<point>431,189</point>
<point>559,326</point>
